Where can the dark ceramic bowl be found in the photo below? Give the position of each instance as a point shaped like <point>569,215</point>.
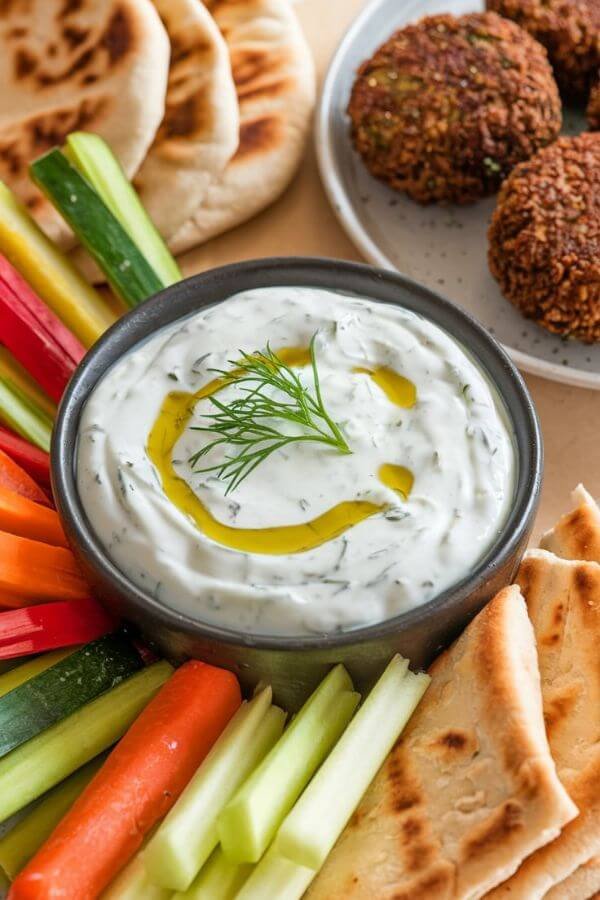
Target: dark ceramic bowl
<point>295,664</point>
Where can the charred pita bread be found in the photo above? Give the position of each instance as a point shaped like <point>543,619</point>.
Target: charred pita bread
<point>563,601</point>
<point>67,65</point>
<point>200,130</point>
<point>577,534</point>
<point>470,789</point>
<point>274,76</point>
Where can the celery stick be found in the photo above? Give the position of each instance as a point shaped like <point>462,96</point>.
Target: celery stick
<point>188,835</point>
<point>22,842</point>
<point>32,769</point>
<point>22,416</point>
<point>24,671</point>
<point>96,161</point>
<point>219,879</point>
<point>276,878</point>
<point>249,821</point>
<point>319,817</point>
<point>132,884</point>
<point>17,375</point>
<point>50,273</point>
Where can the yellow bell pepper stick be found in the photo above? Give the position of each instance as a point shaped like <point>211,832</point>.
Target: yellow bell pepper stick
<point>50,273</point>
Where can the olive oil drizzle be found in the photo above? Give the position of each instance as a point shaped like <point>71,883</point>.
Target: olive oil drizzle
<point>177,410</point>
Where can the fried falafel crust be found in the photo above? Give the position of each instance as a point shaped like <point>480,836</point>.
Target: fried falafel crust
<point>570,31</point>
<point>448,106</point>
<point>593,109</point>
<point>544,238</point>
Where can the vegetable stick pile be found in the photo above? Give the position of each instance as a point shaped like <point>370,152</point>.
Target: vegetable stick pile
<point>203,796</point>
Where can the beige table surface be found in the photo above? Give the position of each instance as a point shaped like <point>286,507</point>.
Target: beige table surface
<point>301,223</point>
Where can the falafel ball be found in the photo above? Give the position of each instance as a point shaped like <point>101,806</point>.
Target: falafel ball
<point>544,238</point>
<point>448,106</point>
<point>593,109</point>
<point>570,31</point>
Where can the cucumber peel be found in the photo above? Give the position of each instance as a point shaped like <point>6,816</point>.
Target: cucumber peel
<point>128,271</point>
<point>96,162</point>
<point>35,767</point>
<point>66,686</point>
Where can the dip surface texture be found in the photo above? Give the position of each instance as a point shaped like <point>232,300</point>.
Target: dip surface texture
<point>453,439</point>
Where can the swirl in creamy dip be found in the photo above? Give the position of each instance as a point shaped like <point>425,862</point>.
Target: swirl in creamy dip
<point>453,441</point>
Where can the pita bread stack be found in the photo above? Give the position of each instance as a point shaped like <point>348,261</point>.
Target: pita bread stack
<point>470,789</point>
<point>475,782</point>
<point>206,105</point>
<point>563,601</point>
<point>274,80</point>
<point>577,536</point>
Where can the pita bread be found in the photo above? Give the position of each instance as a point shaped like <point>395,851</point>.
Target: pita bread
<point>470,789</point>
<point>98,65</point>
<point>577,534</point>
<point>563,601</point>
<point>274,76</point>
<point>581,885</point>
<point>199,133</point>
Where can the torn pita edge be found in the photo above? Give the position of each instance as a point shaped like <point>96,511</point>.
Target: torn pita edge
<point>576,535</point>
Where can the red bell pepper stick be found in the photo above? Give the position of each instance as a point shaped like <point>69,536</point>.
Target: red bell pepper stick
<point>13,477</point>
<point>30,458</point>
<point>35,629</point>
<point>34,335</point>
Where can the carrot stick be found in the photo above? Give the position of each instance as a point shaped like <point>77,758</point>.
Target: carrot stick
<point>24,517</point>
<point>138,784</point>
<point>14,478</point>
<point>34,572</point>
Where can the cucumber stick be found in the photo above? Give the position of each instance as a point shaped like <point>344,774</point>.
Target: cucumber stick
<point>19,413</point>
<point>35,767</point>
<point>278,877</point>
<point>249,821</point>
<point>59,691</point>
<point>96,162</point>
<point>127,270</point>
<point>320,815</point>
<point>219,879</point>
<point>23,841</point>
<point>188,835</point>
<point>23,672</point>
<point>49,272</point>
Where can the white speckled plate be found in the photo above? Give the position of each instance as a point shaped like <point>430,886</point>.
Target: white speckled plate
<point>443,248</point>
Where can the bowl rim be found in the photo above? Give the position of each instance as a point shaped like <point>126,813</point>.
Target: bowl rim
<point>359,280</point>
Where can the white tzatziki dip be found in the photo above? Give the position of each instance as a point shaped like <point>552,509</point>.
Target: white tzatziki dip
<point>312,540</point>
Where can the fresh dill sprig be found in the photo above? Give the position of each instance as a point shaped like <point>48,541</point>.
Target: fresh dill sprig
<point>249,423</point>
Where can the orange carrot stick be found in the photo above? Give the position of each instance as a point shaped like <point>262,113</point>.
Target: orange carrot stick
<point>34,572</point>
<point>138,784</point>
<point>13,477</point>
<point>19,515</point>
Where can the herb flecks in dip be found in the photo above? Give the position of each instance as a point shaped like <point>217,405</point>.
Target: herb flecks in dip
<point>314,540</point>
